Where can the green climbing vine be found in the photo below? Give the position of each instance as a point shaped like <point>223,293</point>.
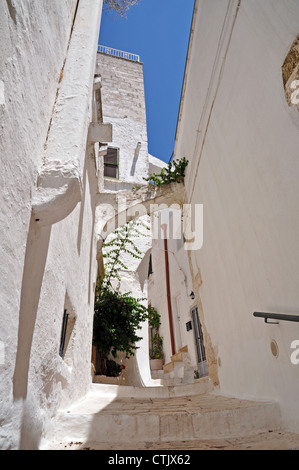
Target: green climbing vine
<point>174,172</point>
<point>118,316</point>
<point>122,243</point>
<point>154,320</point>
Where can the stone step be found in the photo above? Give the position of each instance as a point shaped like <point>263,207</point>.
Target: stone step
<point>199,387</point>
<point>181,356</point>
<point>274,440</point>
<point>179,367</point>
<point>171,381</point>
<point>157,374</point>
<point>169,367</point>
<point>116,419</point>
<point>179,371</point>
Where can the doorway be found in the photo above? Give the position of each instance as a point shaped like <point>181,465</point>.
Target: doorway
<point>177,324</point>
<point>199,344</point>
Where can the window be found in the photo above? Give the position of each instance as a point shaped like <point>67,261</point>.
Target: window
<point>199,343</point>
<point>150,266</point>
<point>111,163</point>
<point>67,335</point>
<point>63,333</point>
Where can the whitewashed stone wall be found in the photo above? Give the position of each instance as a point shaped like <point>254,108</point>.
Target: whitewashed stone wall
<point>123,105</point>
<point>180,283</point>
<point>134,281</point>
<point>44,269</point>
<point>241,137</point>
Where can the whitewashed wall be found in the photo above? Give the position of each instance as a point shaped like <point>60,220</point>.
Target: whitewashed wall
<point>49,268</point>
<point>123,104</point>
<point>180,284</point>
<point>134,281</point>
<point>242,140</point>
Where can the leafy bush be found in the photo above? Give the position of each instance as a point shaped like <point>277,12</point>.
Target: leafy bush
<point>119,6</point>
<point>153,317</point>
<point>157,347</point>
<point>174,172</point>
<point>112,368</point>
<point>117,317</point>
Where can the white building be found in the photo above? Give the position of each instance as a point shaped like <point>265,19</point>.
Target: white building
<point>238,127</point>
<point>126,162</point>
<point>48,187</point>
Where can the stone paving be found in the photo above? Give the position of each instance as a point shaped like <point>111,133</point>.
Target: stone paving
<point>197,422</point>
<point>275,440</point>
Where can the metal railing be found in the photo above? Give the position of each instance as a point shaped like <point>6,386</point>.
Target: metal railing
<point>117,53</point>
<point>276,316</point>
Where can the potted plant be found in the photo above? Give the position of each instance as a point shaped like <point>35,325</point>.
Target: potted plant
<point>156,353</point>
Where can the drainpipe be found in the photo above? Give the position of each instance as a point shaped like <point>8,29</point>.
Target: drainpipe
<point>164,228</point>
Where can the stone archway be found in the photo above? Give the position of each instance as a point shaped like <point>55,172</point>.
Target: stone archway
<point>115,210</point>
<point>118,208</point>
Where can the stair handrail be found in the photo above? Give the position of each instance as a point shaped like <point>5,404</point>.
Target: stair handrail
<point>276,316</point>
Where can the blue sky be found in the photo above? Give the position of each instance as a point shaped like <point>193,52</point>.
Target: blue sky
<point>157,30</point>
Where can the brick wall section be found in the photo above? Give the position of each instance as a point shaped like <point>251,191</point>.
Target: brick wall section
<point>123,102</point>
<point>122,87</point>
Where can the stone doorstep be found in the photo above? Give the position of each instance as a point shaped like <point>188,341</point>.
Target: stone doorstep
<point>130,420</point>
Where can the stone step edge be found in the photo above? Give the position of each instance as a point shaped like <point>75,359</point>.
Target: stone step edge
<point>199,386</point>
<point>155,427</point>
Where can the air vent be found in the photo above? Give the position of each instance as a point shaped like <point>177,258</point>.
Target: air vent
<point>274,348</point>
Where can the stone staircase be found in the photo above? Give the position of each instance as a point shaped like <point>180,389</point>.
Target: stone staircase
<point>186,416</point>
<point>178,371</point>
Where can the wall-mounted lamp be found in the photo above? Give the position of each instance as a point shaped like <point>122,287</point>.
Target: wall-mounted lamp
<point>192,295</point>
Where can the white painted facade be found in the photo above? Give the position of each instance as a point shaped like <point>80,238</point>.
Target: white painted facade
<point>49,183</point>
<point>123,105</point>
<point>239,131</point>
<point>241,138</point>
<point>180,284</point>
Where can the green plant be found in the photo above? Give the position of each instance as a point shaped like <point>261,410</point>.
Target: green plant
<point>119,6</point>
<point>174,172</point>
<point>196,374</point>
<point>121,243</point>
<point>117,316</point>
<point>112,368</point>
<point>153,317</point>
<point>157,347</point>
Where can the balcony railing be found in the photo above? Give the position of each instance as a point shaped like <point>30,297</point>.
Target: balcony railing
<point>276,316</point>
<point>117,53</point>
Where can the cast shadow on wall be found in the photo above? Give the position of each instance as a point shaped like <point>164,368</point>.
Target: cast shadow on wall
<point>34,266</point>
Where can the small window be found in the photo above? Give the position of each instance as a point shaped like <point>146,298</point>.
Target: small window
<point>67,336</point>
<point>150,266</point>
<point>63,333</point>
<point>111,163</point>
